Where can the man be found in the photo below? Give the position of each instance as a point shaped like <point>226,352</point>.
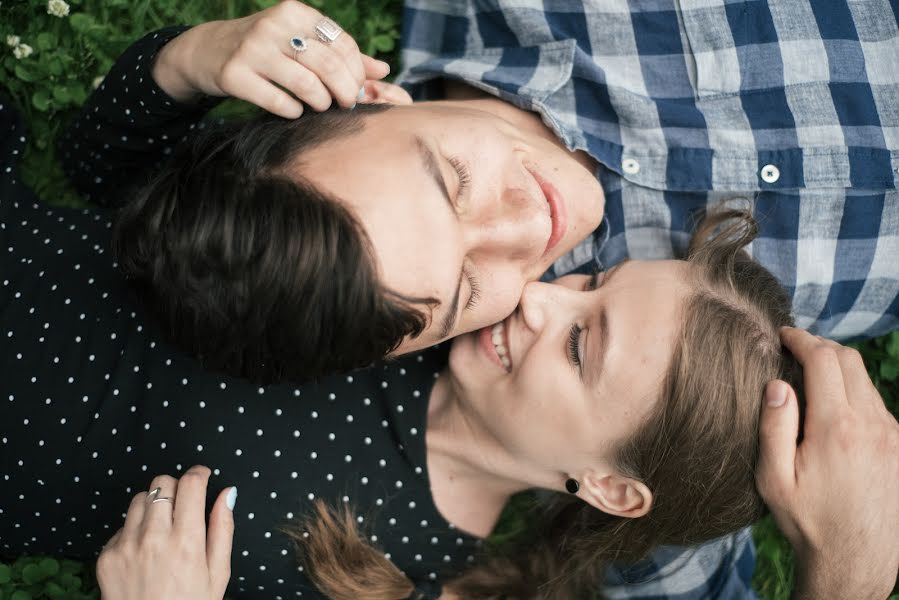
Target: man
<point>653,113</point>
<point>684,105</point>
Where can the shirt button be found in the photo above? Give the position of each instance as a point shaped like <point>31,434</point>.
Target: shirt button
<point>770,174</point>
<point>630,166</point>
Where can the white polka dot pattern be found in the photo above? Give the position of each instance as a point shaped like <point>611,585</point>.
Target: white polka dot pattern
<point>95,404</point>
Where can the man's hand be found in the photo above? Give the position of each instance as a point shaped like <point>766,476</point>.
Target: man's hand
<point>835,495</point>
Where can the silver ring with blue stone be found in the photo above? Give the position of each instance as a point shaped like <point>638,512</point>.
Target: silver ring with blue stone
<point>299,45</point>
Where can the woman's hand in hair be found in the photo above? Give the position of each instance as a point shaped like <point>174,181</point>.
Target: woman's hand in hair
<point>164,549</point>
<point>252,58</point>
<point>835,495</point>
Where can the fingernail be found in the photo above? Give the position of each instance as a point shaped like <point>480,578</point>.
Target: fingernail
<point>353,106</point>
<point>231,499</point>
<point>776,394</point>
<point>387,66</point>
<point>361,93</point>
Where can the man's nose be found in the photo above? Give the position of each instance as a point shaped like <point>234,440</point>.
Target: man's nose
<point>514,228</point>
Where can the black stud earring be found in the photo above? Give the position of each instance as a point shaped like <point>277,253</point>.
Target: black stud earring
<point>572,486</point>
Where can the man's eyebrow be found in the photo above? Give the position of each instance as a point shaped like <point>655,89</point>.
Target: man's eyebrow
<point>596,373</point>
<point>449,321</point>
<point>429,161</point>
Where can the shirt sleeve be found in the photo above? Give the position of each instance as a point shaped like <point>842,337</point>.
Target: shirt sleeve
<point>721,568</point>
<point>128,125</point>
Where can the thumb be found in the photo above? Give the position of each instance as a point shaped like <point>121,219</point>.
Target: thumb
<point>778,431</point>
<point>219,537</point>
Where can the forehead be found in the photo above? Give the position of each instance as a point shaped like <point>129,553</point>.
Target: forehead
<point>382,180</point>
<point>644,304</point>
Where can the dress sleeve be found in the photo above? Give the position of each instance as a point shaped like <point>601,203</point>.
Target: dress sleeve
<point>127,126</point>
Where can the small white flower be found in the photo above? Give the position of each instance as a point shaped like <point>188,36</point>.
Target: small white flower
<point>22,51</point>
<point>57,8</point>
<point>97,81</point>
<point>12,40</point>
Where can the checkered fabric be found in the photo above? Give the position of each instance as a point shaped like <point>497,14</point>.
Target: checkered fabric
<point>792,105</point>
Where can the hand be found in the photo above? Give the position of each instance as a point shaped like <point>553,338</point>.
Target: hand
<point>164,551</point>
<point>835,495</point>
<point>250,57</point>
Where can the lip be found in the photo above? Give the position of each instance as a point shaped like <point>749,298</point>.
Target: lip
<point>558,211</point>
<point>485,341</point>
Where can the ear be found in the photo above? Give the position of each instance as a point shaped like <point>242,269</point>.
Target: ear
<point>616,494</point>
<point>381,92</point>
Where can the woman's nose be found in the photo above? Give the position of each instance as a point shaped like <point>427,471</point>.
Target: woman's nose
<point>538,302</point>
<point>542,303</point>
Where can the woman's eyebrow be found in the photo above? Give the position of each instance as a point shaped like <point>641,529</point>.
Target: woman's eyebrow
<point>595,374</point>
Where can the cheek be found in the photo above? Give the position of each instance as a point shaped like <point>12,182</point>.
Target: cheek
<point>500,293</point>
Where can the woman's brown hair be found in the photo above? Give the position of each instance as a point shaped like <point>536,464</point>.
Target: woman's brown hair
<point>696,451</point>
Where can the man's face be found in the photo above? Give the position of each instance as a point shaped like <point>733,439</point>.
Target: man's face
<point>463,202</point>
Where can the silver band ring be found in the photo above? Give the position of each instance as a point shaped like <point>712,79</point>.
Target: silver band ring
<point>327,30</point>
<point>163,499</point>
<point>299,45</point>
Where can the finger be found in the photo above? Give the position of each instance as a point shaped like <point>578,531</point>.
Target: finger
<point>158,513</point>
<point>347,49</point>
<point>299,80</point>
<point>381,92</point>
<point>135,515</point>
<point>190,510</point>
<point>333,72</point>
<point>778,430</point>
<point>860,391</point>
<point>258,90</point>
<point>112,541</point>
<point>374,68</point>
<point>220,537</point>
<point>825,392</point>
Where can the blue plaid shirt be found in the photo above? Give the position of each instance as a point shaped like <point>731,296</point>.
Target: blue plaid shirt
<point>792,105</point>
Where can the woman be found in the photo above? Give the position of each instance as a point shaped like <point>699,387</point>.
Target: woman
<point>599,394</point>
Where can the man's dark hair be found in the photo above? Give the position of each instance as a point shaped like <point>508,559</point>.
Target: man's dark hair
<point>249,267</point>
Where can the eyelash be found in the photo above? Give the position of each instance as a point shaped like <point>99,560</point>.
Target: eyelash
<point>574,336</point>
<point>475,292</point>
<point>463,172</point>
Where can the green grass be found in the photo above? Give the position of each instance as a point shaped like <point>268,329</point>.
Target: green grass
<point>70,52</point>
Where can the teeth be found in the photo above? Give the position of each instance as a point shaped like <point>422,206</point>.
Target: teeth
<point>499,345</point>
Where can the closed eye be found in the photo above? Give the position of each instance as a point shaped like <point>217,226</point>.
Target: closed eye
<point>475,291</point>
<point>464,175</point>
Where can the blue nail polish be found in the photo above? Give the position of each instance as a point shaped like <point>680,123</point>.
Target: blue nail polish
<point>361,93</point>
<point>231,498</point>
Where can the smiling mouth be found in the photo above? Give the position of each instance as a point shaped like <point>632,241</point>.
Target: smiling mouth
<point>558,212</point>
<point>501,344</point>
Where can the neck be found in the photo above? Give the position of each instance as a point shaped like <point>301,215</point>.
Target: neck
<point>472,476</point>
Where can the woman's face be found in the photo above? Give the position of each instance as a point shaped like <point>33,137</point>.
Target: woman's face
<point>463,202</point>
<point>576,368</point>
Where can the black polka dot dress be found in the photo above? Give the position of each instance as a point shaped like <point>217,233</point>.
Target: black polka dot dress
<point>93,404</point>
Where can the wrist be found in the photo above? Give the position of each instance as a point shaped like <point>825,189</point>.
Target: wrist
<point>822,580</point>
<point>167,69</point>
